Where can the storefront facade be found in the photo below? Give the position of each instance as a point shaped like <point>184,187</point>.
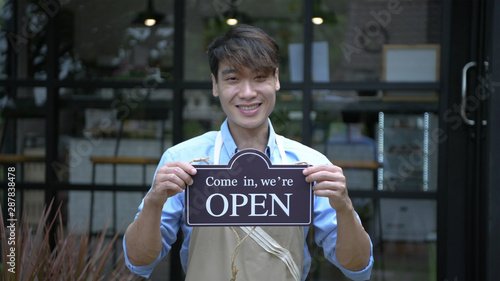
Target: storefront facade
<point>403,95</point>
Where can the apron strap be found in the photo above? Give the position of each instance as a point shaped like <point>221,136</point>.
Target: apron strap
<point>271,246</point>
<point>259,235</point>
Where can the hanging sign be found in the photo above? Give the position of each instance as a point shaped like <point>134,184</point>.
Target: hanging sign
<point>249,191</point>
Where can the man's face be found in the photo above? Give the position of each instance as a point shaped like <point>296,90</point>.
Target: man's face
<point>247,97</point>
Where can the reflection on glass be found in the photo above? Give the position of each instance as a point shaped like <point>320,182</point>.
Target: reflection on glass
<point>280,19</point>
<point>287,114</point>
<point>133,122</point>
<point>111,137</point>
<point>407,240</point>
<point>100,40</point>
<point>346,135</point>
<point>408,150</point>
<point>357,31</point>
<point>23,132</point>
<point>202,113</point>
<point>26,38</point>
<point>5,18</point>
<point>403,233</point>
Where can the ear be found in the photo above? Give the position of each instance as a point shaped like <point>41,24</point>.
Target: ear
<point>215,88</point>
<point>277,79</point>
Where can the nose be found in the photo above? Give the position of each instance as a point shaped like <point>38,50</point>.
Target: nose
<point>247,90</point>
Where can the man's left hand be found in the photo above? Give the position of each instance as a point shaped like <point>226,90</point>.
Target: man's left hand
<point>331,183</point>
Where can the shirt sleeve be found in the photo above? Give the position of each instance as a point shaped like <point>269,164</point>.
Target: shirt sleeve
<point>325,227</point>
<point>171,218</point>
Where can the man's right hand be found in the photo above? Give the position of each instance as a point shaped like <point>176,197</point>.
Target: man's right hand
<point>143,236</point>
<point>170,180</point>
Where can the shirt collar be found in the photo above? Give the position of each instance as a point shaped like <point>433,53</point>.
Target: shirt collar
<point>230,145</point>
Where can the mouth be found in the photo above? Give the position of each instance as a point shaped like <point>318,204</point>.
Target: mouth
<point>249,107</point>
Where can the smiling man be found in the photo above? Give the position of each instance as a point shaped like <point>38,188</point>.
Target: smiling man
<point>245,78</point>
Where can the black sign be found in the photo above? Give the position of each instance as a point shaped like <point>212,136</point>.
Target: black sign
<point>249,191</point>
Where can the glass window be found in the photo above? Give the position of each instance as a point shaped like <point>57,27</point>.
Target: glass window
<point>280,19</point>
<point>103,123</point>
<point>322,269</point>
<point>26,38</point>
<point>408,245</point>
<point>6,18</point>
<point>353,36</point>
<point>202,113</point>
<point>23,145</point>
<point>106,40</point>
<point>407,147</point>
<point>112,211</point>
<point>403,233</point>
<point>22,120</point>
<point>287,114</point>
<point>343,130</point>
<point>115,136</point>
<point>352,132</point>
<point>111,137</point>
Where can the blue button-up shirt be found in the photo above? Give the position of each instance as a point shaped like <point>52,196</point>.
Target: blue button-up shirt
<point>325,220</point>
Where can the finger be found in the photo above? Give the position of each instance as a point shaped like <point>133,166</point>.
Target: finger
<point>326,193</point>
<point>186,167</point>
<point>322,176</point>
<point>331,185</point>
<point>167,178</point>
<point>315,169</point>
<point>184,171</point>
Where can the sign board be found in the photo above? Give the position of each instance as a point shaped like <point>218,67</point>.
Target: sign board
<point>249,191</point>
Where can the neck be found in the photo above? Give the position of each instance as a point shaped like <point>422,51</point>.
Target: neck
<point>250,138</point>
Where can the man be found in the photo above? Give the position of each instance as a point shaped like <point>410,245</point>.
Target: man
<point>245,78</point>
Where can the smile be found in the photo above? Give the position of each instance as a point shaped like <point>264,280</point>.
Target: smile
<point>249,107</point>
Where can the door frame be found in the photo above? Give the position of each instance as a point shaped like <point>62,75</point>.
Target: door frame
<point>493,141</point>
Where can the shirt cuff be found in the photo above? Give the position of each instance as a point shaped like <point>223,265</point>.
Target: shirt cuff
<point>363,274</point>
<point>144,271</point>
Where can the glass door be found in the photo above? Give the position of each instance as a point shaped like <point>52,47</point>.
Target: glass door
<point>375,89</point>
<point>468,223</point>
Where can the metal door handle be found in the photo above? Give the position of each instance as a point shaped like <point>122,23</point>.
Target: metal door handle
<point>466,68</point>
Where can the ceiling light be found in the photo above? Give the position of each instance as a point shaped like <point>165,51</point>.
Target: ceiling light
<point>148,17</point>
<point>321,14</point>
<point>232,21</point>
<point>317,20</point>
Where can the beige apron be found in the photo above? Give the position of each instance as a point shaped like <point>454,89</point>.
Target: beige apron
<point>268,253</point>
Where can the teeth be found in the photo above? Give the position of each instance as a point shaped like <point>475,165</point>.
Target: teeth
<point>249,107</point>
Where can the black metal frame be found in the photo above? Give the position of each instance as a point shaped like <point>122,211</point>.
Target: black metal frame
<point>493,178</point>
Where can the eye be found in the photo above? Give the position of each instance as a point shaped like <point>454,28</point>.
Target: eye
<point>231,78</point>
<point>260,77</point>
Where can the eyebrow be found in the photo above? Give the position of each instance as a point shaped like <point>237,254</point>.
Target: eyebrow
<point>227,71</point>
